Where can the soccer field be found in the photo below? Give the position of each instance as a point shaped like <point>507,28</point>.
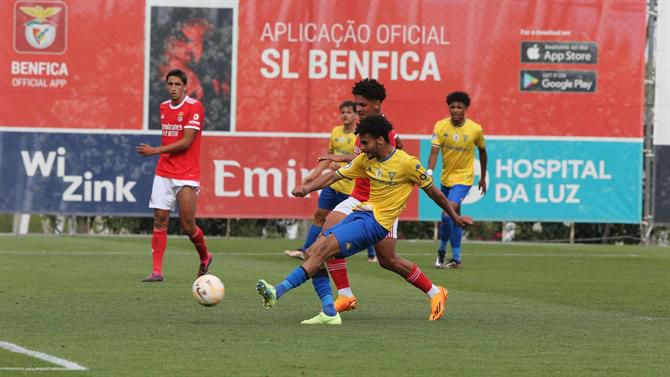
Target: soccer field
<point>514,310</point>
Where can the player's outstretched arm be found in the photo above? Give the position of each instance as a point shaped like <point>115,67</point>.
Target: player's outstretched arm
<point>432,159</point>
<point>337,157</point>
<point>323,181</point>
<point>438,197</point>
<point>317,172</point>
<point>483,156</point>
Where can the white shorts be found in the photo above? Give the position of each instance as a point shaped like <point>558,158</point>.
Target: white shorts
<point>347,206</point>
<point>164,191</point>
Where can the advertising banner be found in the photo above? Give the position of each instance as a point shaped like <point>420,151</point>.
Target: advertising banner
<point>68,173</point>
<point>281,66</point>
<point>101,174</point>
<point>549,180</point>
<point>72,64</point>
<point>557,82</point>
<point>305,55</point>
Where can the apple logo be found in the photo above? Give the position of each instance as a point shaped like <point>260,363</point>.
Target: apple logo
<point>533,52</point>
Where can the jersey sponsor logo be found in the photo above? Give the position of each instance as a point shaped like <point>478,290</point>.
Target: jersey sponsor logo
<point>171,129</point>
<point>40,27</point>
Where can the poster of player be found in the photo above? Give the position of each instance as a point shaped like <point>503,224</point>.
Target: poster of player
<point>199,41</point>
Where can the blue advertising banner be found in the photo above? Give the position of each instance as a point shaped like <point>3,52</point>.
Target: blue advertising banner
<point>553,180</point>
<point>79,173</point>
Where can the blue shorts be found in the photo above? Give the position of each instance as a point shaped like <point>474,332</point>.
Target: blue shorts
<point>357,232</point>
<point>456,193</point>
<point>329,198</point>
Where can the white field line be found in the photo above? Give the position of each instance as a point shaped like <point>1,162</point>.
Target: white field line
<point>65,364</point>
<point>39,369</point>
<point>279,254</point>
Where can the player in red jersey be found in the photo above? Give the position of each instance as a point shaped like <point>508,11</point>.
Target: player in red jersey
<point>177,179</point>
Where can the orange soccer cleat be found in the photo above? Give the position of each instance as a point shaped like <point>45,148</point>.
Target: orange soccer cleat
<point>345,303</point>
<point>438,304</point>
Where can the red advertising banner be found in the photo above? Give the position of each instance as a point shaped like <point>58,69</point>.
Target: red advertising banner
<point>297,58</point>
<point>72,64</point>
<point>560,68</point>
<point>240,180</point>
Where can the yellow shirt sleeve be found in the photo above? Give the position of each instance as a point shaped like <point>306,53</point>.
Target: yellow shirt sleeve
<point>437,134</point>
<point>331,147</point>
<point>417,173</point>
<point>354,169</point>
<point>480,141</point>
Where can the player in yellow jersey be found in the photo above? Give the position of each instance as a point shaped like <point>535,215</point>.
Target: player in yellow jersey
<point>340,151</point>
<point>392,174</point>
<point>456,137</point>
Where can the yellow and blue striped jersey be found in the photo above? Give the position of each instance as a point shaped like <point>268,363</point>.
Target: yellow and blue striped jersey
<point>391,183</point>
<point>342,143</point>
<point>457,145</point>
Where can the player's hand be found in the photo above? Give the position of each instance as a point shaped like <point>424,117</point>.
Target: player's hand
<point>464,221</point>
<point>334,166</point>
<point>145,150</point>
<point>482,186</point>
<point>330,156</point>
<point>299,191</point>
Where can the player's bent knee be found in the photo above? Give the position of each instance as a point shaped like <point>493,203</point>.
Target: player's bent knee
<point>320,217</point>
<point>188,227</point>
<point>324,248</point>
<point>386,263</point>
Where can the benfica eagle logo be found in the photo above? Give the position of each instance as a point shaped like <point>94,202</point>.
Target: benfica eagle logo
<point>40,27</point>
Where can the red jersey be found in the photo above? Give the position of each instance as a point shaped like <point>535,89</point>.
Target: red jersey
<point>362,185</point>
<point>174,119</point>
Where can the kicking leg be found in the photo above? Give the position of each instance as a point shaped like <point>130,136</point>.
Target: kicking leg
<point>389,260</point>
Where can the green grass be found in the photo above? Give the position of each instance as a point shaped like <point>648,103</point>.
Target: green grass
<point>514,310</point>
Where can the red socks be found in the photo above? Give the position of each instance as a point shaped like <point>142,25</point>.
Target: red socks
<point>418,279</point>
<point>198,239</point>
<point>338,271</point>
<point>158,244</point>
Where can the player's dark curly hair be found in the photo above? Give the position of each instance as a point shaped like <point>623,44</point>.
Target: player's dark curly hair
<point>376,126</point>
<point>177,73</point>
<point>348,104</point>
<point>369,89</point>
<point>462,97</point>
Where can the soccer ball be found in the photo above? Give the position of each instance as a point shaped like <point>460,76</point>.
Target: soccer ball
<point>208,290</point>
